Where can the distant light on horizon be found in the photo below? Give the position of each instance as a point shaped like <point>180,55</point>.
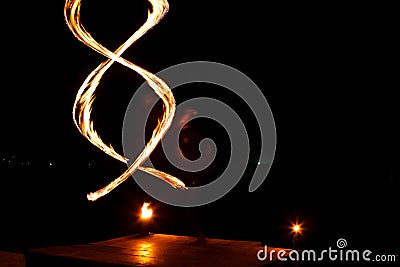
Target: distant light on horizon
<point>297,228</point>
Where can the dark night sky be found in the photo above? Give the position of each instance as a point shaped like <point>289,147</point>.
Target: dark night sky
<point>326,71</point>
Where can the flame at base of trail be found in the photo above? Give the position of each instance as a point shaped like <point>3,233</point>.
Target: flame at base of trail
<point>83,104</point>
<point>146,212</point>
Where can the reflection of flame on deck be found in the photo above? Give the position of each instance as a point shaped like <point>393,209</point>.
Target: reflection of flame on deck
<point>145,252</point>
<point>146,212</point>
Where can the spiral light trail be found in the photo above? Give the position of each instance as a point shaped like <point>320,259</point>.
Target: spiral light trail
<point>83,104</point>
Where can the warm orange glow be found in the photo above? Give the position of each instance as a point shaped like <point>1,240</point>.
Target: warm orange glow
<point>297,228</point>
<point>146,212</point>
<point>83,104</point>
<point>145,252</point>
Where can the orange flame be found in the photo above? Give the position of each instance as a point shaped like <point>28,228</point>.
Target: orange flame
<point>146,212</point>
<point>83,104</point>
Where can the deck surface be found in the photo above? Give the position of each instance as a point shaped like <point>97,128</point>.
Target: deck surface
<point>152,250</point>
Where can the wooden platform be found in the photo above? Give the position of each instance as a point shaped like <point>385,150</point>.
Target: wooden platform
<point>11,259</point>
<point>149,250</point>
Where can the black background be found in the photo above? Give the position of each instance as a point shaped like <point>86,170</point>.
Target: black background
<point>327,71</point>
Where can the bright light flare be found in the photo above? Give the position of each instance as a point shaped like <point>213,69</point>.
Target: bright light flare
<point>297,228</point>
<point>146,211</point>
